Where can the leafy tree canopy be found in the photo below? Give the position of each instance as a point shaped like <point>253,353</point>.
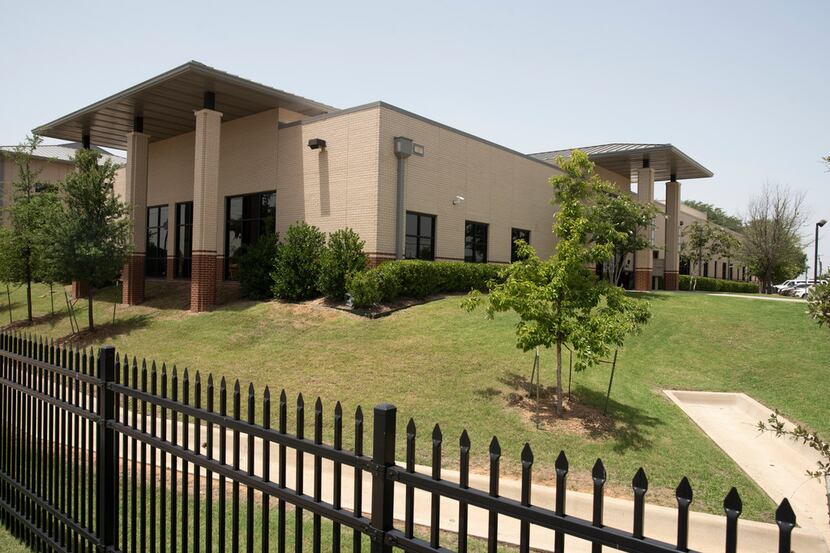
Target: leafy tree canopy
<point>716,215</point>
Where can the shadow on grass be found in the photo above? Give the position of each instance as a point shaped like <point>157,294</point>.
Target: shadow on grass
<point>625,425</point>
<point>650,296</point>
<point>121,327</point>
<point>49,319</point>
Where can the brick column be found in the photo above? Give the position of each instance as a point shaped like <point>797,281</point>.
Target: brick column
<point>136,197</point>
<point>672,234</point>
<point>643,262</point>
<point>205,210</point>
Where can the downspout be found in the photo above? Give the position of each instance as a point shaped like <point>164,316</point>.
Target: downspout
<point>403,149</point>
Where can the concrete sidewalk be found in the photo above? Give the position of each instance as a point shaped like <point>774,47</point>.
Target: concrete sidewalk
<point>707,532</point>
<point>778,465</point>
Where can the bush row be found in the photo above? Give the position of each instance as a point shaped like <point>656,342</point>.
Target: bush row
<point>417,279</point>
<point>302,265</point>
<point>708,284</point>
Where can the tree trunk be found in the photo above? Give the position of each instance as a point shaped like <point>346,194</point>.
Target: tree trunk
<point>29,300</point>
<point>559,402</point>
<point>89,306</point>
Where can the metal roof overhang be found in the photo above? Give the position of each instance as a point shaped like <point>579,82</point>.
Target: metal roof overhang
<point>665,159</point>
<point>167,103</point>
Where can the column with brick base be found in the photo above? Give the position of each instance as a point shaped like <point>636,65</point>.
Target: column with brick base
<point>135,195</point>
<point>672,234</point>
<point>205,210</point>
<point>643,261</point>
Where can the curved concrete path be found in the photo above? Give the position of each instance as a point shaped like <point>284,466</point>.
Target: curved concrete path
<point>778,465</point>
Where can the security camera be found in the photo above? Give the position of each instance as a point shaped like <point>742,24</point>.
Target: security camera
<point>458,200</point>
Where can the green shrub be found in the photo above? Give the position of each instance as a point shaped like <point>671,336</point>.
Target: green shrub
<point>708,284</point>
<point>255,266</point>
<point>297,266</point>
<point>342,256</point>
<point>364,288</point>
<point>419,279</point>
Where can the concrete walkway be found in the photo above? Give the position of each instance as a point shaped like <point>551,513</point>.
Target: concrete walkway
<point>778,465</point>
<point>706,531</point>
<point>759,297</point>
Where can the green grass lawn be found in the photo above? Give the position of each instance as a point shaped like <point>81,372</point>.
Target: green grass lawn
<point>440,364</point>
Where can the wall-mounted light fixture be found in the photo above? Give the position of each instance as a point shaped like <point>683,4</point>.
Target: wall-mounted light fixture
<point>457,200</point>
<point>317,144</point>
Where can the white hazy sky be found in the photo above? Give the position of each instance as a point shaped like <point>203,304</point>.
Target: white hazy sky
<point>741,86</point>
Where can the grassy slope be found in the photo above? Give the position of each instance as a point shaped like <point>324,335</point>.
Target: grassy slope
<point>440,364</point>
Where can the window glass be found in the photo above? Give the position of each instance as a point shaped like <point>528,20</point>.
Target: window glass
<point>517,234</point>
<point>419,243</point>
<point>475,242</point>
<point>184,240</point>
<point>249,217</point>
<point>155,264</point>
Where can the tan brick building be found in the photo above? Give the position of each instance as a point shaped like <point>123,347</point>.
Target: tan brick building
<point>215,161</point>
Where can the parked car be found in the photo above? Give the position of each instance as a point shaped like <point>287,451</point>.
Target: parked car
<point>800,290</point>
<point>785,284</point>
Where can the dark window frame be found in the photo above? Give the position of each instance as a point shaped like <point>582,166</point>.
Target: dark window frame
<point>243,220</point>
<point>513,232</point>
<point>156,265</point>
<point>476,242</point>
<point>183,264</point>
<point>419,236</point>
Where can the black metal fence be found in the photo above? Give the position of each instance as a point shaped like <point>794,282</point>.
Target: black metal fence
<point>96,453</point>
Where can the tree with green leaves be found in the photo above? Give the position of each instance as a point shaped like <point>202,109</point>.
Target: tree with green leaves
<point>560,301</point>
<point>716,215</point>
<point>701,242</point>
<point>771,246</point>
<point>620,222</point>
<point>22,246</point>
<point>90,234</point>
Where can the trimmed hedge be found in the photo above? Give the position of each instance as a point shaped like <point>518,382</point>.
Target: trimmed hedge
<point>708,284</point>
<point>418,279</point>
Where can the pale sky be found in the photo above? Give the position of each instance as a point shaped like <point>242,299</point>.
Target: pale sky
<point>741,86</point>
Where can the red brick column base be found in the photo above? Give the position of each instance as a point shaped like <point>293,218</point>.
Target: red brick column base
<point>642,279</point>
<point>671,280</point>
<point>79,290</point>
<point>203,282</point>
<point>171,268</point>
<point>132,292</point>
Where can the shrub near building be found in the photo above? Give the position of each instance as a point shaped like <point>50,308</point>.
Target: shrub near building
<point>706,284</point>
<point>297,263</point>
<point>418,279</point>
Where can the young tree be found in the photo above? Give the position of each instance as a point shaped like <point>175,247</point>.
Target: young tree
<point>20,245</point>
<point>771,246</point>
<point>620,220</point>
<point>698,245</point>
<point>560,300</point>
<point>90,232</point>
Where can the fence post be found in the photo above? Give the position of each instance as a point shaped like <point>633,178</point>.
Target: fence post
<point>106,451</point>
<point>383,490</point>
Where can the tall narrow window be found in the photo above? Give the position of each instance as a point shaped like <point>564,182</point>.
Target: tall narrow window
<point>475,242</point>
<point>420,236</point>
<point>706,268</point>
<point>184,239</point>
<point>517,234</point>
<point>156,256</point>
<point>248,218</point>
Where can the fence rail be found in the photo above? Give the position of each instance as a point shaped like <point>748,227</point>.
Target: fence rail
<point>98,453</point>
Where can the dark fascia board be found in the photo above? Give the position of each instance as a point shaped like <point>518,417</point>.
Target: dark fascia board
<point>189,67</point>
<point>385,105</point>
